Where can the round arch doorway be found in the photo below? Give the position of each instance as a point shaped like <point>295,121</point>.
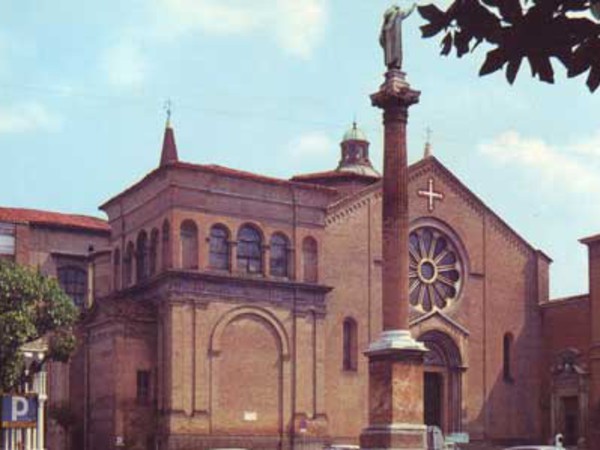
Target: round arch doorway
<point>442,382</point>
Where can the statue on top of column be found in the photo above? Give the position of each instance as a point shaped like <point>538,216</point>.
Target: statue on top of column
<point>390,37</point>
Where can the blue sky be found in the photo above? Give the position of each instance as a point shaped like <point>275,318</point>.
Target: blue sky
<point>270,86</point>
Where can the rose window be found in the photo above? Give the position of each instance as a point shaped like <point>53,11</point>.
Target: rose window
<point>435,272</point>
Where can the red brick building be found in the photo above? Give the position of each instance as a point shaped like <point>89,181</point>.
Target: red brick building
<point>63,246</point>
<point>231,310</point>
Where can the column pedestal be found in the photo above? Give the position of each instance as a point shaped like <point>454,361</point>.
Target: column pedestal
<point>395,393</point>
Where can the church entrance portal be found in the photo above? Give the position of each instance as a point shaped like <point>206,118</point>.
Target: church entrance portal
<point>569,397</point>
<point>442,382</point>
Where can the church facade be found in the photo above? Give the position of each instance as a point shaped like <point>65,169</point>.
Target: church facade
<point>232,310</point>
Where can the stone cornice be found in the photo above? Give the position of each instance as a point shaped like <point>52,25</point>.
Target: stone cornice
<point>566,301</point>
<point>200,288</point>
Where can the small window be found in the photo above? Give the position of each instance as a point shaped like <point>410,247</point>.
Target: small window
<point>278,262</point>
<point>117,269</point>
<point>128,263</point>
<point>143,386</point>
<point>7,240</point>
<point>153,266</point>
<point>142,256</point>
<point>73,281</point>
<point>507,356</point>
<point>350,343</point>
<point>219,248</point>
<point>166,245</point>
<point>249,250</point>
<point>189,245</point>
<point>310,260</point>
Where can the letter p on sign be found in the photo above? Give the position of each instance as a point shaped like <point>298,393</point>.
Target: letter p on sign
<point>20,408</point>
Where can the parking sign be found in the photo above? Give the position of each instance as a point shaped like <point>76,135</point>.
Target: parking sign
<point>19,411</point>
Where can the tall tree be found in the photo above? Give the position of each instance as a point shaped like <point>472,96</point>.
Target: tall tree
<point>32,307</point>
<point>536,30</point>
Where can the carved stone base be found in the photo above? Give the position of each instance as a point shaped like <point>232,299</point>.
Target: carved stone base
<point>395,393</point>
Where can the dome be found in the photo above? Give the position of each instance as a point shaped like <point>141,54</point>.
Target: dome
<point>354,134</point>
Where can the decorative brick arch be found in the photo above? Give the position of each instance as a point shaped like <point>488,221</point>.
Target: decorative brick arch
<point>272,410</point>
<point>249,311</point>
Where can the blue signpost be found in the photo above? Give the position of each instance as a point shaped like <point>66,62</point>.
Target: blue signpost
<point>19,411</point>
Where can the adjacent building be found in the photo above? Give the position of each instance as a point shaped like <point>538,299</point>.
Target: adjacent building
<point>59,245</point>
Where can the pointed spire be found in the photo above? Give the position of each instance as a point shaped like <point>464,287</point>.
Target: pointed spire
<point>169,149</point>
<point>428,151</point>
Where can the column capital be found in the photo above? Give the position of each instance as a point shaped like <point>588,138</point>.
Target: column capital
<point>395,94</point>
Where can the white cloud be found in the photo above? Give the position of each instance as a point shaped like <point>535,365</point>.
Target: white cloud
<point>296,25</point>
<point>301,25</point>
<point>589,147</point>
<point>215,16</point>
<point>311,145</point>
<point>566,167</point>
<point>27,117</point>
<point>124,65</point>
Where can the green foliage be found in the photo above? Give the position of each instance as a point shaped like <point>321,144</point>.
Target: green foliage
<point>32,307</point>
<point>535,30</point>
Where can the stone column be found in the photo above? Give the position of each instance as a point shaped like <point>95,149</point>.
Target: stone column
<point>395,359</point>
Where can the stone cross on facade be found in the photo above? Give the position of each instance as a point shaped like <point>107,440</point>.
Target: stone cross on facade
<point>431,195</point>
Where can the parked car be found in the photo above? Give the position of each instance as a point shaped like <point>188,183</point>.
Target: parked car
<point>558,445</point>
<point>534,447</point>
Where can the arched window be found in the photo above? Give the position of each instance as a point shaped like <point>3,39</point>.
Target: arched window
<point>166,245</point>
<point>73,281</point>
<point>249,250</point>
<point>507,344</point>
<point>310,260</point>
<point>350,343</point>
<point>189,244</point>
<point>279,260</point>
<point>141,262</point>
<point>218,257</point>
<point>128,263</point>
<point>117,269</point>
<point>153,252</point>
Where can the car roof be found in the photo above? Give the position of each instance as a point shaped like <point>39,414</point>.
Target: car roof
<point>532,447</point>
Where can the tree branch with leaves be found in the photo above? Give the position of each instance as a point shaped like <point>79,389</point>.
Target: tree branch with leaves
<point>32,307</point>
<point>539,31</point>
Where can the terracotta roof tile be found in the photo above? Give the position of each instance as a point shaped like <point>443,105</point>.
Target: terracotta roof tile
<point>234,172</point>
<point>35,216</point>
<point>222,170</point>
